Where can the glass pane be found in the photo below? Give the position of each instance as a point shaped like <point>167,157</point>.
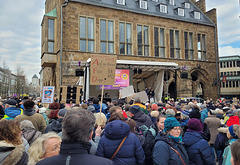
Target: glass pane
<point>190,41</point>
<point>146,35</point>
<point>199,55</point>
<point>110,31</point>
<point>177,53</point>
<point>146,50</point>
<point>103,30</point>
<point>186,40</point>
<point>171,39</point>
<point>129,33</point>
<point>129,49</point>
<point>122,48</point>
<point>177,39</point>
<point>204,56</point>
<point>83,45</point>
<point>191,55</point>
<point>140,50</point>
<point>156,51</point>
<point>50,29</point>
<point>172,52</point>
<point>156,42</point>
<point>139,32</point>
<point>50,46</point>
<point>90,28</point>
<point>110,47</point>
<point>82,27</point>
<point>90,46</point>
<point>186,54</point>
<point>162,52</point>
<point>162,43</point>
<point>121,32</point>
<point>103,47</point>
<point>199,42</point>
<point>203,43</point>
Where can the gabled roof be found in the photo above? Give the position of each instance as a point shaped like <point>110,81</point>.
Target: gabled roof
<point>35,76</point>
<point>153,9</point>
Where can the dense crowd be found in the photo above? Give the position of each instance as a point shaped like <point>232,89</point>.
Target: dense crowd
<point>123,133</point>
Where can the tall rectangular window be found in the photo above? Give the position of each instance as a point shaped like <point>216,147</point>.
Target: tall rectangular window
<point>163,8</point>
<point>107,36</point>
<point>125,38</point>
<point>174,44</point>
<point>202,53</point>
<point>143,40</point>
<point>50,35</point>
<point>188,42</point>
<point>143,4</point>
<point>159,42</point>
<point>86,34</point>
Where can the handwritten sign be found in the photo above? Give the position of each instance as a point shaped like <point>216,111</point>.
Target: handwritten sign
<point>142,96</point>
<point>125,92</point>
<point>103,69</point>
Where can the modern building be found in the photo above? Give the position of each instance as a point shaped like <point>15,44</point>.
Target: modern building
<point>172,42</point>
<point>230,76</point>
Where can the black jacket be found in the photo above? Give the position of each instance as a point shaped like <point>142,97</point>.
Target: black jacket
<point>55,126</point>
<point>76,153</point>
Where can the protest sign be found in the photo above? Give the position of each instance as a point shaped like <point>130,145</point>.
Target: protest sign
<point>142,96</point>
<point>48,92</point>
<point>125,92</point>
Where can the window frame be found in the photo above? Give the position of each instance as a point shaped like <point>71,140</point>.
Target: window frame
<point>190,49</point>
<point>159,46</point>
<point>143,45</point>
<point>197,15</point>
<point>51,40</point>
<point>126,44</point>
<point>143,2</point>
<point>173,48</point>
<point>202,51</point>
<point>165,8</point>
<point>179,13</point>
<point>107,36</point>
<point>124,2</point>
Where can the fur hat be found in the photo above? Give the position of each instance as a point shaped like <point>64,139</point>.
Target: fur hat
<point>134,109</point>
<point>195,124</point>
<point>170,123</point>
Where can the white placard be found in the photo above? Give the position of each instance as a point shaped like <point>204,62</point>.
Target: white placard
<point>125,92</point>
<point>142,96</point>
<point>48,92</point>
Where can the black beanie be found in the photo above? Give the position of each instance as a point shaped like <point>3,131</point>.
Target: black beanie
<point>195,114</point>
<point>134,109</point>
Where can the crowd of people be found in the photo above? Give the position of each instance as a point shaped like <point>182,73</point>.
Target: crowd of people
<point>121,133</point>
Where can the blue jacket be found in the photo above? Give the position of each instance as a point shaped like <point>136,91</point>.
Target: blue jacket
<point>204,114</point>
<point>97,108</point>
<point>198,149</point>
<point>131,152</point>
<point>12,112</point>
<point>164,155</point>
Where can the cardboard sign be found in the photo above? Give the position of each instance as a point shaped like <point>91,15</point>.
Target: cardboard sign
<point>235,100</point>
<point>142,96</point>
<point>125,92</point>
<point>103,69</point>
<point>48,92</point>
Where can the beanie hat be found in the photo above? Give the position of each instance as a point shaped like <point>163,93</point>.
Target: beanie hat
<point>154,107</point>
<point>134,109</point>
<point>185,113</point>
<point>195,114</point>
<point>42,110</point>
<point>170,112</point>
<point>91,108</point>
<point>62,112</point>
<point>203,107</point>
<point>11,102</point>
<point>233,120</point>
<point>195,124</point>
<point>225,109</point>
<point>170,123</point>
<point>178,108</point>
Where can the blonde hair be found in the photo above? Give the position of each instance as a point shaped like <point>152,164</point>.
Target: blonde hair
<point>100,119</point>
<point>154,114</point>
<point>37,149</point>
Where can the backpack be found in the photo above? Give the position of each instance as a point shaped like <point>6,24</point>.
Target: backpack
<point>144,130</point>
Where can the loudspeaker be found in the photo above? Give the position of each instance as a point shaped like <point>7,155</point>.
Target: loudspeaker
<point>70,94</point>
<point>79,72</point>
<point>184,75</point>
<point>135,71</point>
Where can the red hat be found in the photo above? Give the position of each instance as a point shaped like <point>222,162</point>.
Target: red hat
<point>233,120</point>
<point>154,107</point>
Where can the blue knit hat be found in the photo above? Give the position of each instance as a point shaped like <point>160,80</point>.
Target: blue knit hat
<point>170,123</point>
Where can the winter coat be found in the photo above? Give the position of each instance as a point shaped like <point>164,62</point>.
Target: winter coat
<point>163,154</point>
<point>227,153</point>
<point>11,113</point>
<point>142,107</point>
<point>31,134</point>
<point>12,155</point>
<point>198,149</point>
<point>142,119</point>
<point>36,119</point>
<point>97,108</point>
<point>55,126</point>
<point>204,114</point>
<point>131,152</point>
<point>76,153</point>
<point>213,124</point>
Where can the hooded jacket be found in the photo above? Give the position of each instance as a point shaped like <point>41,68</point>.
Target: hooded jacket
<point>12,155</point>
<point>30,134</point>
<point>11,113</point>
<point>198,149</point>
<point>131,152</point>
<point>142,119</point>
<point>55,126</point>
<point>163,154</point>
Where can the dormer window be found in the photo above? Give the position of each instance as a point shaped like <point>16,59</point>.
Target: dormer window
<point>172,2</point>
<point>180,11</point>
<point>121,2</point>
<point>163,8</point>
<point>187,5</point>
<point>197,15</point>
<point>143,4</point>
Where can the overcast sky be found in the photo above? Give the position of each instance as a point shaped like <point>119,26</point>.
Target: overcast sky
<point>20,32</point>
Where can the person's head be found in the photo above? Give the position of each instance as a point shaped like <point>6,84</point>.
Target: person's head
<point>84,106</point>
<point>45,146</point>
<point>235,151</point>
<point>137,100</point>
<point>10,132</point>
<point>54,106</point>
<point>10,103</point>
<point>127,107</point>
<point>132,125</point>
<point>28,104</point>
<point>185,114</point>
<point>100,119</point>
<point>42,110</point>
<point>116,116</point>
<point>170,112</point>
<point>26,124</point>
<point>134,109</point>
<point>95,100</point>
<point>172,127</point>
<point>233,132</point>
<point>160,122</point>
<point>116,109</point>
<point>154,107</point>
<point>236,113</point>
<point>195,124</point>
<point>203,106</point>
<point>154,114</point>
<point>195,114</point>
<point>77,126</point>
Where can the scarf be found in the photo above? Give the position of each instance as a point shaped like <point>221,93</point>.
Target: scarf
<point>176,139</point>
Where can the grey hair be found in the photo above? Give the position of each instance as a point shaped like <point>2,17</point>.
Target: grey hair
<point>137,100</point>
<point>77,125</point>
<point>26,124</point>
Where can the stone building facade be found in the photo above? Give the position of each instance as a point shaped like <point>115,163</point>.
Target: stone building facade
<point>181,32</point>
